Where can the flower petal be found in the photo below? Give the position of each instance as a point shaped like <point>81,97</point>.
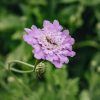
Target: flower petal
<point>39,55</point>
<point>57,26</point>
<point>57,63</point>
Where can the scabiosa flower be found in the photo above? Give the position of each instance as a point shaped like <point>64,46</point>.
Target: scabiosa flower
<point>50,43</point>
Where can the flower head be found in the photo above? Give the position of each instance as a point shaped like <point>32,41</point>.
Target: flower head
<point>50,43</point>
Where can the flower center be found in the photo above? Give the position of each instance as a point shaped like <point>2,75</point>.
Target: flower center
<point>51,41</point>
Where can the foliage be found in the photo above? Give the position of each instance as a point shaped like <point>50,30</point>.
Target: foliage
<point>80,79</point>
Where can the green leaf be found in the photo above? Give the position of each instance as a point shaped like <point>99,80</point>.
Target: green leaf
<point>38,2</point>
<point>71,16</point>
<point>90,2</point>
<point>68,1</point>
<point>10,22</point>
<point>20,53</point>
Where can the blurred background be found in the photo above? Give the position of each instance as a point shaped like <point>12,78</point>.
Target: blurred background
<point>78,80</point>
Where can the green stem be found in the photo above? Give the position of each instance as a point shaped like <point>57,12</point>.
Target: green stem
<point>20,62</point>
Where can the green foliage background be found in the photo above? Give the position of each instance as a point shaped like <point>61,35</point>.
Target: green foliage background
<point>78,80</point>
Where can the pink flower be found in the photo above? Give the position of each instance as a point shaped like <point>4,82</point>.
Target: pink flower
<point>50,43</point>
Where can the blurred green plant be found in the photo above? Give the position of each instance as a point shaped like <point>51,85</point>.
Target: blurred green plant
<point>80,79</point>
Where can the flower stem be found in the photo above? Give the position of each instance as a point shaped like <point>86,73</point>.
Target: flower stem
<point>20,62</point>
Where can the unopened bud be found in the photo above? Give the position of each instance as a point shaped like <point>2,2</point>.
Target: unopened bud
<point>40,68</point>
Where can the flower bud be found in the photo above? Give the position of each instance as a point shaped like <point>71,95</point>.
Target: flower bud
<point>40,68</point>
